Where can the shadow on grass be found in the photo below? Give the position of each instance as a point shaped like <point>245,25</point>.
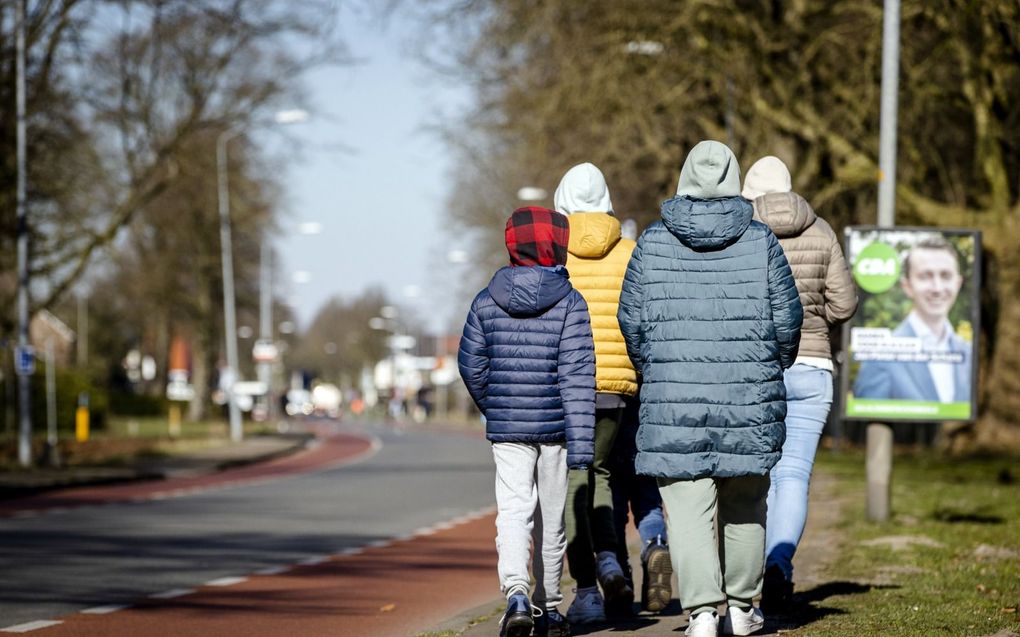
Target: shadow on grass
<point>806,609</point>
<point>953,517</point>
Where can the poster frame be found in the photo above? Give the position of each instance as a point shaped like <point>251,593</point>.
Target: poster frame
<point>977,279</point>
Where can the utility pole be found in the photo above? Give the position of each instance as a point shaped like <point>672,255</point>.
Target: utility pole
<point>24,374</point>
<point>52,451</point>
<point>265,368</point>
<point>83,331</point>
<point>880,435</point>
<point>227,258</point>
<point>889,106</point>
<point>286,117</point>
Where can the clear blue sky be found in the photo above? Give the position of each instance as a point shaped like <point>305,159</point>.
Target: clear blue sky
<point>381,204</point>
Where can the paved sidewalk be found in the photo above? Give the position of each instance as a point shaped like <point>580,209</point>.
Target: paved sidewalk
<point>813,557</point>
<point>201,461</point>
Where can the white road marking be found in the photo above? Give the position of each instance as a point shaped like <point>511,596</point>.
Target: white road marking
<point>104,610</point>
<point>274,570</point>
<point>378,544</point>
<point>354,550</point>
<point>30,626</point>
<point>312,561</point>
<point>226,581</point>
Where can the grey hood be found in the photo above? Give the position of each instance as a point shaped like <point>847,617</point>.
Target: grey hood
<point>707,224</point>
<point>583,189</point>
<point>787,213</point>
<point>529,290</point>
<point>710,171</point>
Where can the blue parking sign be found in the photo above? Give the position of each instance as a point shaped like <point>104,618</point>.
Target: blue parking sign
<point>24,360</point>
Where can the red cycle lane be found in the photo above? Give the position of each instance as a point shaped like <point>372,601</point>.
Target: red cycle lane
<point>399,589</point>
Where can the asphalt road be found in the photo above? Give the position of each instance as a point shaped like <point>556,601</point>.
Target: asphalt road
<point>66,561</point>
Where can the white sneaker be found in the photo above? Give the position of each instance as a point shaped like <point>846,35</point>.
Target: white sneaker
<point>705,624</point>
<point>742,622</point>
<point>587,607</point>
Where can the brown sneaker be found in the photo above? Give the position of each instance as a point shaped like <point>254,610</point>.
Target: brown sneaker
<point>657,582</point>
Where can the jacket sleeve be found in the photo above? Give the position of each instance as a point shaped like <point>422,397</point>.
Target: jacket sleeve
<point>473,357</point>
<point>840,291</point>
<point>873,381</point>
<point>576,377</point>
<point>629,312</point>
<point>787,312</point>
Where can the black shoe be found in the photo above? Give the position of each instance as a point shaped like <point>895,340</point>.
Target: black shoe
<point>657,581</point>
<point>615,590</point>
<point>776,592</point>
<point>517,621</point>
<point>551,624</point>
<point>622,605</point>
<point>619,598</point>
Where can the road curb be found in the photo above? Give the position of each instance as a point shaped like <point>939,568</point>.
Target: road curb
<point>106,476</point>
<point>462,621</point>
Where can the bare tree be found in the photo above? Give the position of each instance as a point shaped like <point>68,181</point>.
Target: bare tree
<point>631,85</point>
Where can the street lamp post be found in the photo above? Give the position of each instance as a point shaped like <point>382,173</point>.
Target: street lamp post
<point>265,367</point>
<point>879,435</point>
<point>24,372</point>
<point>293,116</point>
<point>227,260</point>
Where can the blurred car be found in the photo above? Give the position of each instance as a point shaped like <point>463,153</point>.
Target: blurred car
<point>299,402</point>
<point>326,400</point>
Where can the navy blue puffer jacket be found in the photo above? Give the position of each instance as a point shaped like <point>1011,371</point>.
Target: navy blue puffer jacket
<point>711,316</point>
<point>528,360</point>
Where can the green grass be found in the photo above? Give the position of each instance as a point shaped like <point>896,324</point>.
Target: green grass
<point>158,427</point>
<point>964,579</point>
<point>472,622</point>
<point>126,439</point>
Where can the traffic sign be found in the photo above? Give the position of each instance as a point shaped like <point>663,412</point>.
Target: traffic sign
<point>264,351</point>
<point>180,390</point>
<point>24,360</point>
<point>249,388</point>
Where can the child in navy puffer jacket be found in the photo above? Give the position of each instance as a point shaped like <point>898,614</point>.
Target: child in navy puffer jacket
<point>528,360</point>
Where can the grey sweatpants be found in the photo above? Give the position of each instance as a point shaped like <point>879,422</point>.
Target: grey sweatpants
<point>711,570</point>
<point>531,491</point>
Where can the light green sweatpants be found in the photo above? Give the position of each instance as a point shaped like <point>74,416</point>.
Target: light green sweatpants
<point>709,571</point>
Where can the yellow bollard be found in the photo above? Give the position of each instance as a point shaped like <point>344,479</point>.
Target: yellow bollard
<point>175,420</point>
<point>81,424</point>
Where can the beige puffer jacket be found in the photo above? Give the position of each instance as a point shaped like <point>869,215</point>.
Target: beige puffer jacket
<point>826,290</point>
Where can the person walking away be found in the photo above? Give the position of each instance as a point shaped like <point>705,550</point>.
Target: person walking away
<point>829,298</point>
<point>640,495</point>
<point>528,361</point>
<point>711,317</point>
<point>597,260</point>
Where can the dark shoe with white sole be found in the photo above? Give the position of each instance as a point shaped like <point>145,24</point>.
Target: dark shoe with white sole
<point>657,583</point>
<point>517,620</point>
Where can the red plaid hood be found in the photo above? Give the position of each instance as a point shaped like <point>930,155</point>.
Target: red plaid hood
<point>537,236</point>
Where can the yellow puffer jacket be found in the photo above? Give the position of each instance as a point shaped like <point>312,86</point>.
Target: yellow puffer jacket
<point>597,260</point>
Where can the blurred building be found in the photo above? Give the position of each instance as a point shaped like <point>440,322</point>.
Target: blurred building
<point>45,327</point>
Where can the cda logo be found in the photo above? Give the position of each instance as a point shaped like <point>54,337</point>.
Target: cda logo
<point>877,268</point>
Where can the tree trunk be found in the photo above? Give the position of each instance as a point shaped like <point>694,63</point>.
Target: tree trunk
<point>1000,398</point>
<point>198,407</point>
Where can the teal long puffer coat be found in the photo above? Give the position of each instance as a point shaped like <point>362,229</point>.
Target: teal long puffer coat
<point>711,317</point>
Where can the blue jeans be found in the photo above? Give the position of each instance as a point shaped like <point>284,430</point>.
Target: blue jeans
<point>808,399</point>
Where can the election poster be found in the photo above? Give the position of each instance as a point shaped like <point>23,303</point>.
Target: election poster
<point>911,348</point>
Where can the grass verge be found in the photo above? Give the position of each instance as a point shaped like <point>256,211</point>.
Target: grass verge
<point>948,563</point>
